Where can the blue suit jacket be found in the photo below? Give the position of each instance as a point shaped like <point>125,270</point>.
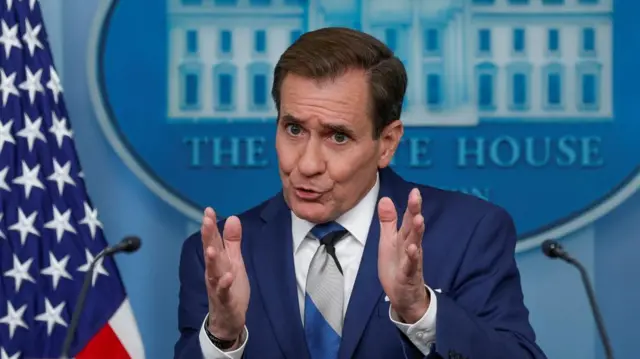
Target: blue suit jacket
<point>468,254</point>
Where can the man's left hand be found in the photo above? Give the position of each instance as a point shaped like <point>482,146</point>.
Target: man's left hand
<point>400,258</point>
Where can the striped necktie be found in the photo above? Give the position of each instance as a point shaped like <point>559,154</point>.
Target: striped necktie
<point>324,295</point>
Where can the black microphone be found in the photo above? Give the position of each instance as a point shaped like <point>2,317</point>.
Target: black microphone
<point>129,244</point>
<point>553,249</point>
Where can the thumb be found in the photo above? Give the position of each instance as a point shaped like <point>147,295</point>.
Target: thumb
<point>388,218</point>
<point>232,237</point>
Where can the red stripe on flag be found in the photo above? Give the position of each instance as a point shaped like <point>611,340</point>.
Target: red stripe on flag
<point>105,344</point>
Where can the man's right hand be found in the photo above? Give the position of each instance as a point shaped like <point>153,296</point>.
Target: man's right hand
<point>226,277</point>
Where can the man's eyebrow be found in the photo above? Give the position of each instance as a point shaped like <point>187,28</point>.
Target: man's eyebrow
<point>340,128</point>
<point>291,118</point>
<point>334,127</point>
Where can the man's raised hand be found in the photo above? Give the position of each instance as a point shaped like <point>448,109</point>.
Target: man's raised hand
<point>225,276</point>
<point>400,258</point>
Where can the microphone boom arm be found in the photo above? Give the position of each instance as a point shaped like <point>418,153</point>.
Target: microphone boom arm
<point>594,306</point>
<point>129,244</point>
<point>75,318</point>
<point>553,249</point>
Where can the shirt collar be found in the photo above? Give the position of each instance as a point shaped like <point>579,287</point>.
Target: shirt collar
<point>357,220</point>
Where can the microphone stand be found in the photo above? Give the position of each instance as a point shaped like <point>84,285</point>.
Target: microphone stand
<point>553,249</point>
<point>75,319</point>
<point>594,306</point>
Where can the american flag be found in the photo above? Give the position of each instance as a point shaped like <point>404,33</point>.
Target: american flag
<point>49,229</point>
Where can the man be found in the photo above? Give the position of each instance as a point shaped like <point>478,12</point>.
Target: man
<point>349,260</point>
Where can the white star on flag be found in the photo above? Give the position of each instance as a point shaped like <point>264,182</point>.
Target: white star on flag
<point>60,223</point>
<point>31,131</point>
<point>14,318</point>
<point>20,272</point>
<point>3,179</point>
<point>25,225</point>
<point>61,175</point>
<point>7,86</point>
<point>57,269</point>
<point>29,178</point>
<point>52,315</point>
<point>98,269</point>
<point>32,84</point>
<point>30,37</point>
<point>4,355</point>
<point>54,83</point>
<point>91,219</point>
<point>5,133</point>
<point>2,235</point>
<point>59,129</point>
<point>9,38</point>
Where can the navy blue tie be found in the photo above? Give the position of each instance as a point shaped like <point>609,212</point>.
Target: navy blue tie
<point>324,299</point>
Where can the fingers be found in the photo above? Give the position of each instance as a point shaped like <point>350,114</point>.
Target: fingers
<point>388,218</point>
<point>414,221</point>
<point>412,261</point>
<point>232,230</point>
<point>414,207</point>
<point>224,284</point>
<point>232,236</point>
<point>209,230</point>
<point>411,234</point>
<point>217,265</point>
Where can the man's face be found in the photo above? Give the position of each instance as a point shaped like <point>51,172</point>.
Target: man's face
<point>327,156</point>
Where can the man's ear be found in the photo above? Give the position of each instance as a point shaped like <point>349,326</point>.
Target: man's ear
<point>389,141</point>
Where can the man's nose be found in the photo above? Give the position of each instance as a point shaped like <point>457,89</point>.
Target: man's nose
<point>311,161</point>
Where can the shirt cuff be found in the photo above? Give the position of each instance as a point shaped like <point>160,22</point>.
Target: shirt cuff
<point>210,351</point>
<point>423,332</point>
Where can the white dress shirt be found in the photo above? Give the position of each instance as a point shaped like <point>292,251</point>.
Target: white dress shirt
<point>349,252</point>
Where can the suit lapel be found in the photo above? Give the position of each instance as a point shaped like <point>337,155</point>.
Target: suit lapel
<point>367,289</point>
<point>274,269</point>
<point>366,293</point>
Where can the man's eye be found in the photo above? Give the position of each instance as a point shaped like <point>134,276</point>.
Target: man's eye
<point>340,137</point>
<point>294,129</point>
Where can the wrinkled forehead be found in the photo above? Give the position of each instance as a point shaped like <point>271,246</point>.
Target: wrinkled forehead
<point>340,101</point>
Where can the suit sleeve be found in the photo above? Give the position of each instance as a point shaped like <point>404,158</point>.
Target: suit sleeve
<point>483,315</point>
<point>193,305</point>
<point>422,334</point>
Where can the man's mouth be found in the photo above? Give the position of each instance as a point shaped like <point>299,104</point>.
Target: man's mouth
<point>308,194</point>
